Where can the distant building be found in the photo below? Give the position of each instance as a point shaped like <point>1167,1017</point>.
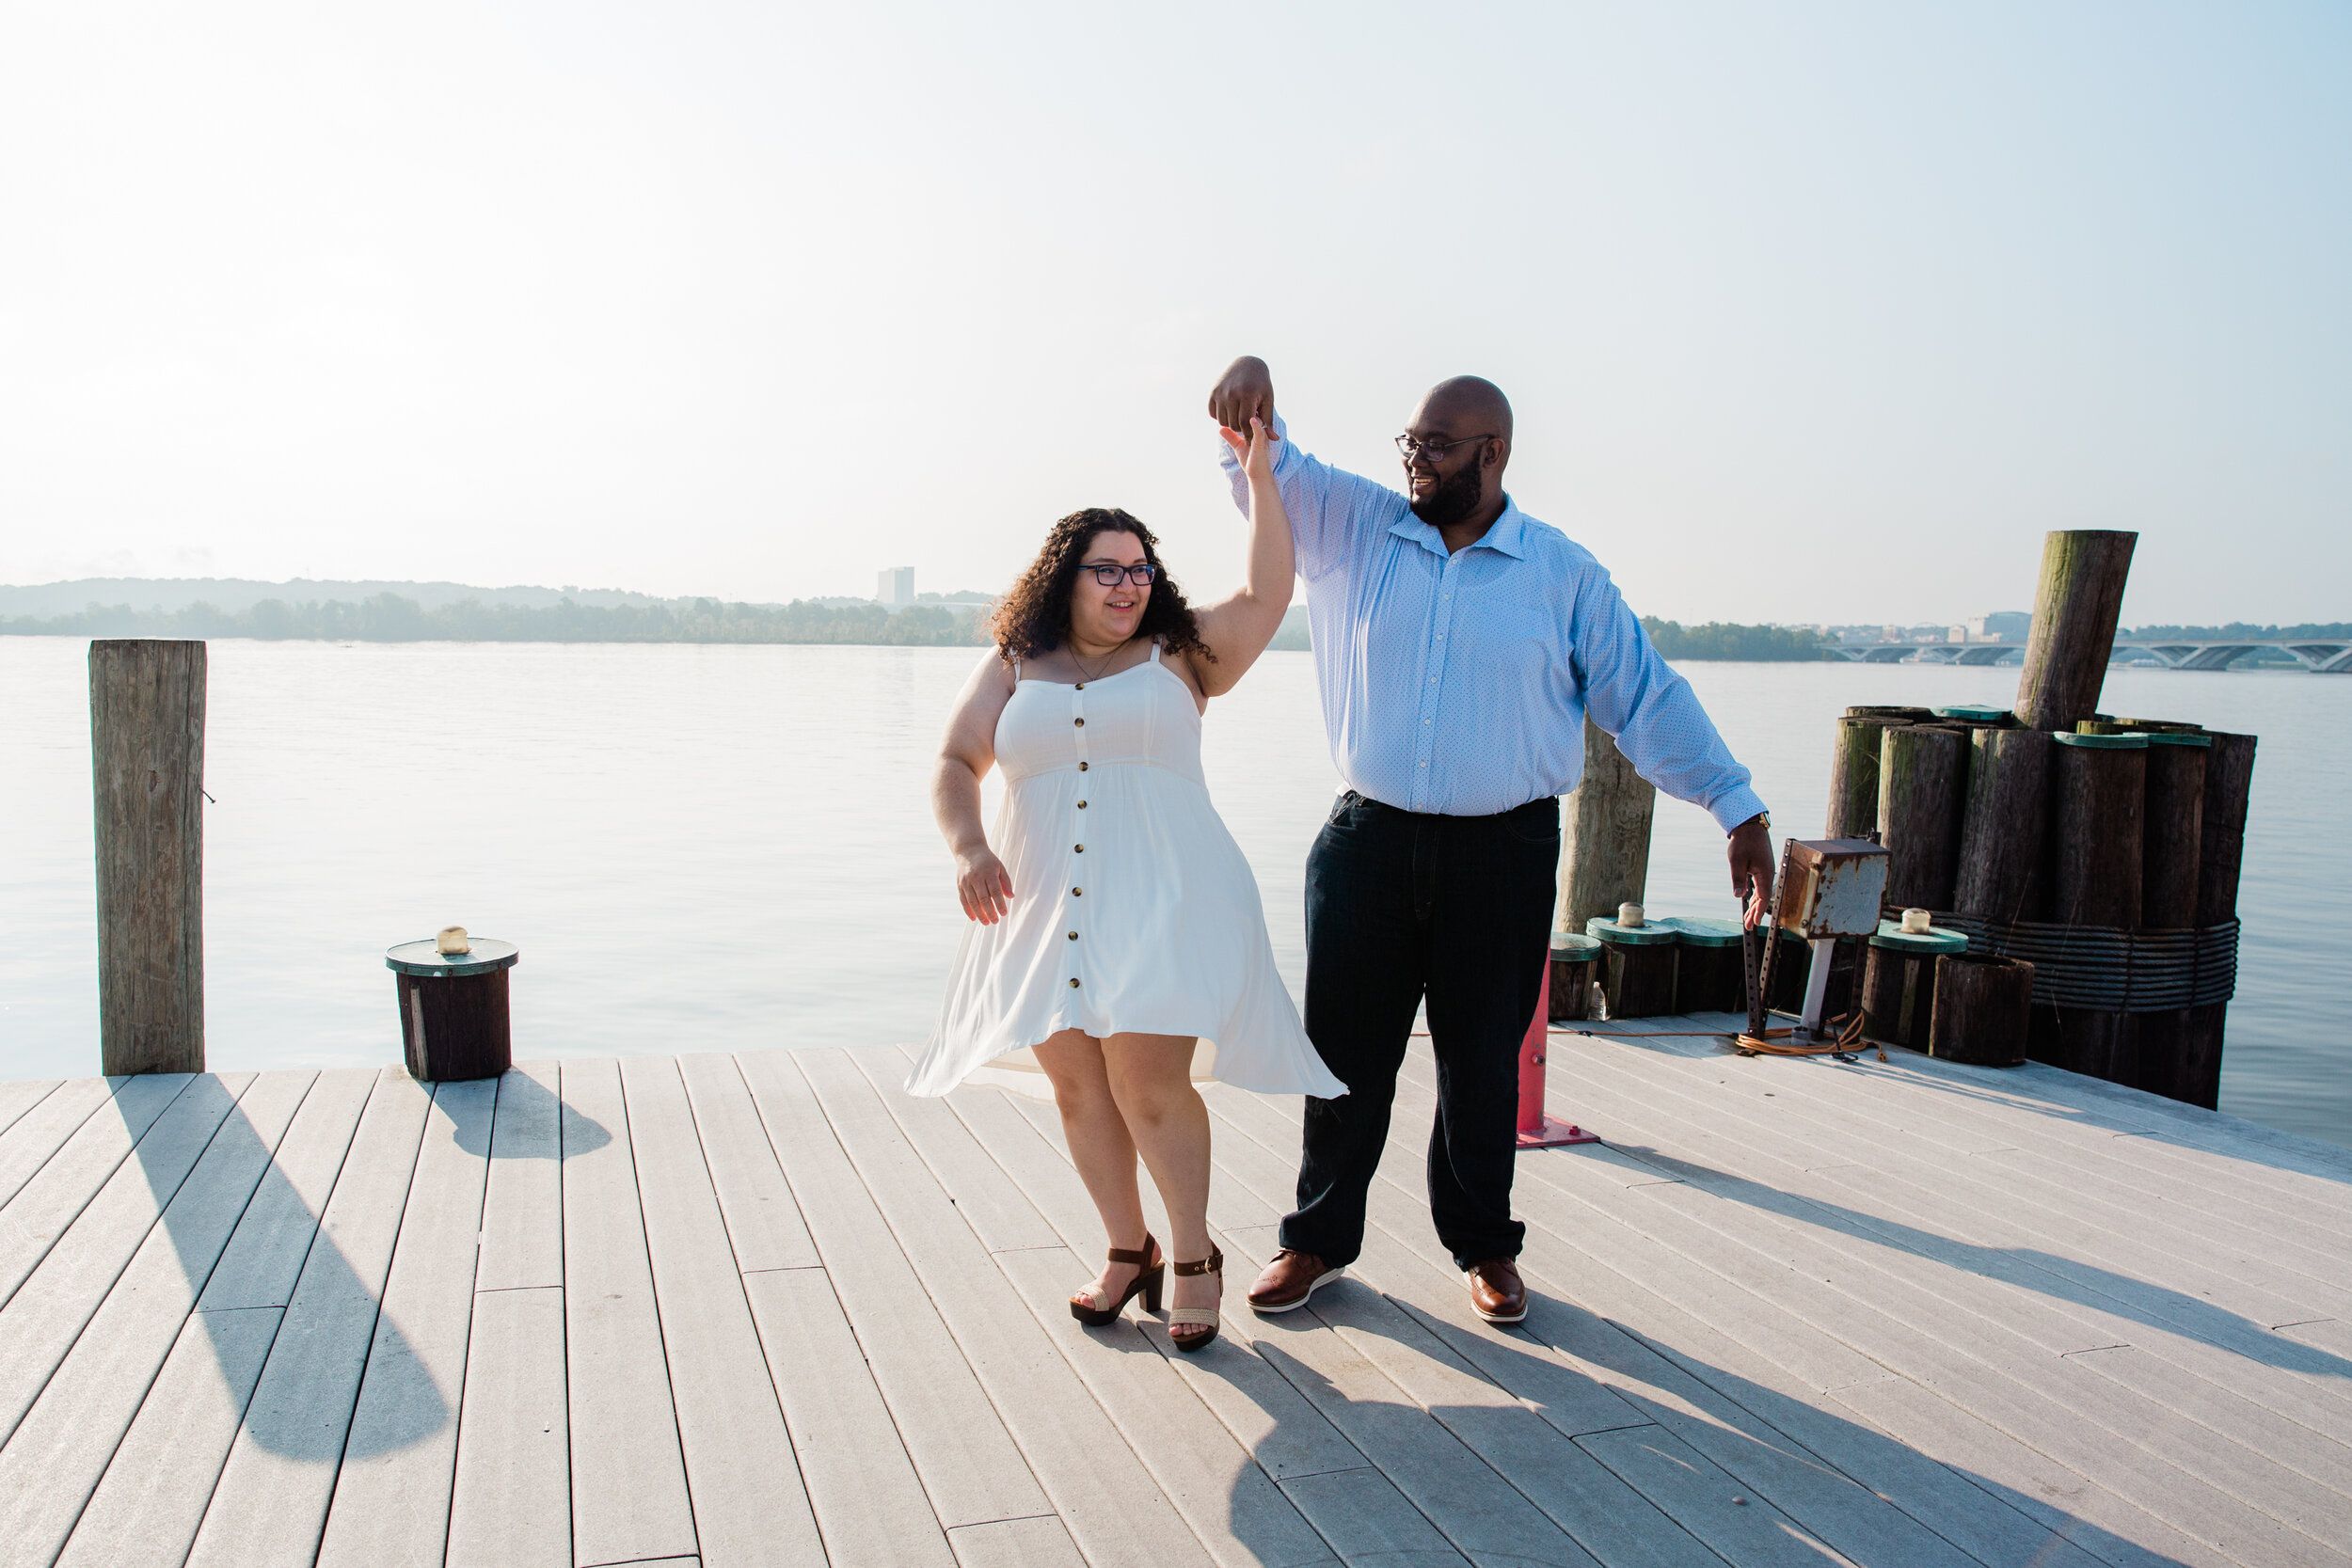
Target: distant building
<point>2008,625</point>
<point>895,586</point>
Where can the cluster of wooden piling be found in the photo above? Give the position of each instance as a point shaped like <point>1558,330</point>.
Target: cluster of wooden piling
<point>2108,850</point>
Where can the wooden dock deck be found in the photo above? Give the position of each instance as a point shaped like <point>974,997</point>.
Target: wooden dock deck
<point>764,1308</point>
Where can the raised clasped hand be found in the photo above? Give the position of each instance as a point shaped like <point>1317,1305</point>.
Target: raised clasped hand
<point>1254,451</point>
<point>984,886</point>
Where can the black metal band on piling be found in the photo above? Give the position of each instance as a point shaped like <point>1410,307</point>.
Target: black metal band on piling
<point>147,770</point>
<point>2097,839</point>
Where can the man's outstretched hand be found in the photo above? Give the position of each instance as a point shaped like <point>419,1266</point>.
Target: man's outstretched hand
<point>1246,390</point>
<point>1750,851</point>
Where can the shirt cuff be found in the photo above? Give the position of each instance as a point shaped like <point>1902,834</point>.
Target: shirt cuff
<point>1734,807</point>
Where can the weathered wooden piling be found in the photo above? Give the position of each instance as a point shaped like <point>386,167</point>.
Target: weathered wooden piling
<point>146,768</point>
<point>2075,612</point>
<point>1983,1007</point>
<point>2168,893</point>
<point>1923,786</point>
<point>1637,966</point>
<point>1575,963</point>
<point>2004,825</point>
<point>1604,838</point>
<point>1854,772</point>
<point>2220,855</point>
<point>1899,982</point>
<point>2097,833</point>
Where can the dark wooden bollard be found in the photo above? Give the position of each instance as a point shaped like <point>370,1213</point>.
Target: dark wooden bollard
<point>2220,853</point>
<point>1604,834</point>
<point>1898,982</point>
<point>1853,774</point>
<point>146,768</point>
<point>452,1009</point>
<point>1923,786</point>
<point>1637,967</point>
<point>1710,969</point>
<point>2097,828</point>
<point>1575,963</point>
<point>1983,1005</point>
<point>2168,888</point>
<point>2075,612</point>
<point>2003,825</point>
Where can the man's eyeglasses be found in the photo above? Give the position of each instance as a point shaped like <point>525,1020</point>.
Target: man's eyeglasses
<point>1111,577</point>
<point>1412,446</point>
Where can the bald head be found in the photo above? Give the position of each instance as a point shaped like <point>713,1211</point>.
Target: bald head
<point>1465,405</point>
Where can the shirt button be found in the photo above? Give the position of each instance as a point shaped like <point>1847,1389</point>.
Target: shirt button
<point>1426,721</point>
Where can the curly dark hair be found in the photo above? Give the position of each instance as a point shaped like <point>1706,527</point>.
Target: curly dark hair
<point>1034,617</point>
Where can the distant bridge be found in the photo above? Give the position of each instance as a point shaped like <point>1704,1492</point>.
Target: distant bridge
<point>2322,656</point>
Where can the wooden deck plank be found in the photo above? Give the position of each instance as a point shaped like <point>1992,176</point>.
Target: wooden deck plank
<point>522,1204</point>
<point>147,1508</point>
<point>970,1467</point>
<point>511,1496</point>
<point>868,1502</point>
<point>742,1478</point>
<point>1368,1521</point>
<point>1101,1489</point>
<point>270,1504</point>
<point>2162,1489</point>
<point>990,1201</point>
<point>1231,1505</point>
<point>52,1196</point>
<point>47,1313</point>
<point>43,1127</point>
<point>20,1095</point>
<point>2006,1288</point>
<point>764,1223</point>
<point>264,1257</point>
<point>1710,1418</point>
<point>59,1453</point>
<point>391,1499</point>
<point>1035,1542</point>
<point>630,1500</point>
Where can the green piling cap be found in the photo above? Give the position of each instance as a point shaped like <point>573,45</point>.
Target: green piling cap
<point>2103,742</point>
<point>1650,935</point>
<point>1569,947</point>
<point>1935,938</point>
<point>1979,716</point>
<point>1701,931</point>
<point>2176,737</point>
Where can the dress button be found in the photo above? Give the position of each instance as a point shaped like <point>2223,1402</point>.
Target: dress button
<point>1080,849</point>
<point>1077,892</point>
<point>1082,806</point>
<point>1080,722</point>
<point>1082,767</point>
<point>1080,687</point>
<point>1073,936</point>
<point>1073,982</point>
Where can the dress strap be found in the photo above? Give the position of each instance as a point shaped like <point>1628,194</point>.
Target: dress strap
<point>1156,650</point>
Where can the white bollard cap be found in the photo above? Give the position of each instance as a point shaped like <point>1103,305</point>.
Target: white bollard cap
<point>452,939</point>
<point>1915,922</point>
<point>1629,915</point>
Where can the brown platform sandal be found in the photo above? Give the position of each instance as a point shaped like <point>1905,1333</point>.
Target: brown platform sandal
<point>1203,1318</point>
<point>1149,1266</point>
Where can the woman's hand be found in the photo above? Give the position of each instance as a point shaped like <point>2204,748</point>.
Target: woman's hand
<point>1254,451</point>
<point>984,886</point>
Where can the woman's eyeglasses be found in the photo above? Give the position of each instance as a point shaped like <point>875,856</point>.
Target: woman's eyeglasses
<point>1111,577</point>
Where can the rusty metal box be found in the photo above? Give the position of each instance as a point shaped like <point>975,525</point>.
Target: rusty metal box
<point>1832,887</point>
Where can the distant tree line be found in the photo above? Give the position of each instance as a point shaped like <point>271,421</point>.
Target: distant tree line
<point>390,618</point>
<point>1725,640</point>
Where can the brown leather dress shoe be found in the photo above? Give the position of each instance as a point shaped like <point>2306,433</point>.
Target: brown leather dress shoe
<point>1288,1280</point>
<point>1496,1294</point>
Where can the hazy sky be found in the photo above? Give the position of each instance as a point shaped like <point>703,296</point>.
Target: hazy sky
<point>1809,311</point>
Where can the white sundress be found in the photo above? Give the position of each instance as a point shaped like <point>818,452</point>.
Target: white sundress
<point>1133,910</point>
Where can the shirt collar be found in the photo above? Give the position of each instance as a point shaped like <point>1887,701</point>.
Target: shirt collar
<point>1508,534</point>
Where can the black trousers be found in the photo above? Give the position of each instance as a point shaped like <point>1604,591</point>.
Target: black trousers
<point>1400,906</point>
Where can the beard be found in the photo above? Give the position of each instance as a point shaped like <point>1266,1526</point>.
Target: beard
<point>1454,499</point>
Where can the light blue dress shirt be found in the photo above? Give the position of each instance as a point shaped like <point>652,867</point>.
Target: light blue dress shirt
<point>1458,683</point>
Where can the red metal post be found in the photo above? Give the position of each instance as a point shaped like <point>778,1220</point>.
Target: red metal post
<point>1536,1130</point>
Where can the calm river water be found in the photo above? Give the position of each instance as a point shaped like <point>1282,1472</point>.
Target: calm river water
<point>703,847</point>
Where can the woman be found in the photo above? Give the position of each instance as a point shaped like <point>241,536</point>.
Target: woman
<point>1121,925</point>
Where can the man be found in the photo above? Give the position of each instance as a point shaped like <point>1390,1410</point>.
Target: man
<point>1458,646</point>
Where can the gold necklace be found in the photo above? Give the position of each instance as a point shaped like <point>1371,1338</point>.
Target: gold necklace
<point>1091,674</point>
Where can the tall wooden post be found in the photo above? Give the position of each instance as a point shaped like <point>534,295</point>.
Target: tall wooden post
<point>2003,827</point>
<point>2075,612</point>
<point>146,765</point>
<point>1604,840</point>
<point>2220,853</point>
<point>2167,889</point>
